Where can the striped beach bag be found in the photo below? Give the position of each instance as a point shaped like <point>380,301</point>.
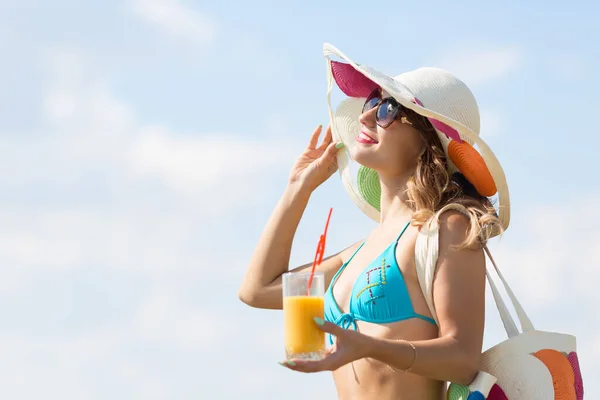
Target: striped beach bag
<point>530,364</point>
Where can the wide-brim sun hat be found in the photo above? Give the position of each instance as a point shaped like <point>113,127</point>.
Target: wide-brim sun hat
<point>434,93</point>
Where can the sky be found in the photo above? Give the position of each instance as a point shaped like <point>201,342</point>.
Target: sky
<point>144,144</point>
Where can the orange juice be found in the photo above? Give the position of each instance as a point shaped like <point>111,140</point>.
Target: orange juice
<point>302,335</point>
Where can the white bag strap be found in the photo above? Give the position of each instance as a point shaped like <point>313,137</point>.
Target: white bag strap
<point>526,324</point>
<point>426,256</point>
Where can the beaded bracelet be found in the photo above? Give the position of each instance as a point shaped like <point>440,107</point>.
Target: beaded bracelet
<point>414,356</point>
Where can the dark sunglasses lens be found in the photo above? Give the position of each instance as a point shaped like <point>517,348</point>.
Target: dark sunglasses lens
<point>369,104</point>
<point>371,101</point>
<point>387,112</point>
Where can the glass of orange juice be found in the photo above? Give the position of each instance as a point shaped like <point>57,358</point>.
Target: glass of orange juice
<point>303,339</point>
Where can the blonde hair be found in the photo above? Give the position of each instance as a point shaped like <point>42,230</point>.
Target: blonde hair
<point>432,187</point>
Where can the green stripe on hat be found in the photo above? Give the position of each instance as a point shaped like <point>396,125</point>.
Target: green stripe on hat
<point>369,186</point>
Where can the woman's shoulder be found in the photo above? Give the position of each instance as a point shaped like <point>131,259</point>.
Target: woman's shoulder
<point>457,229</point>
<point>453,218</point>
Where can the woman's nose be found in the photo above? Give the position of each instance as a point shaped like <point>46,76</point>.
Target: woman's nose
<point>368,117</point>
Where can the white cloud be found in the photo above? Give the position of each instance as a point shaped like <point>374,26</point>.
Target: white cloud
<point>148,224</point>
<point>44,366</point>
<point>176,19</point>
<point>165,319</point>
<point>118,239</point>
<point>205,160</point>
<point>93,137</point>
<point>554,256</point>
<point>476,67</point>
<point>256,58</point>
<point>85,126</point>
<point>120,361</point>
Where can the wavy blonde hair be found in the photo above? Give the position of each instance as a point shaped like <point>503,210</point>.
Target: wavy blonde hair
<point>432,187</point>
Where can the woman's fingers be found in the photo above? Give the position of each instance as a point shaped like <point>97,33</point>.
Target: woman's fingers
<point>332,361</point>
<point>331,151</point>
<point>328,160</point>
<point>327,139</point>
<point>314,138</point>
<point>305,366</point>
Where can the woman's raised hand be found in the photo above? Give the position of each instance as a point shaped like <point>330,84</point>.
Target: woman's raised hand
<point>317,163</point>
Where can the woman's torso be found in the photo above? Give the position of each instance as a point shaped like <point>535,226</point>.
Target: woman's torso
<point>401,313</point>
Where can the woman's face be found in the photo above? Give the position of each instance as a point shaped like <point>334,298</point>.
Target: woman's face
<point>390,151</point>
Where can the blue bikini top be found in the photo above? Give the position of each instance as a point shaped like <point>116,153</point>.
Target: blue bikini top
<point>379,294</point>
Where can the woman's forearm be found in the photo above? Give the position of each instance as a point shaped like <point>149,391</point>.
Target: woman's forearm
<point>272,255</point>
<point>440,359</point>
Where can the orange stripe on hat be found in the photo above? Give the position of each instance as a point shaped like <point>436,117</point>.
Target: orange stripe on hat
<point>470,163</point>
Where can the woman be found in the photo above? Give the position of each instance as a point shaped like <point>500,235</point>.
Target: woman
<point>410,135</point>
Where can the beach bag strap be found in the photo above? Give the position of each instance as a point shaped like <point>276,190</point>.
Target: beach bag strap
<point>426,256</point>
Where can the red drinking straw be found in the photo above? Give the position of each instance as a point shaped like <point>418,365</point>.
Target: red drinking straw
<point>319,253</point>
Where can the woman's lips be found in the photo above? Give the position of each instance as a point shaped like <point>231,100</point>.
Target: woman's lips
<point>364,138</point>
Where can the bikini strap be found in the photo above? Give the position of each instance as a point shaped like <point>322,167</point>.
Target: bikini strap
<point>359,247</point>
<point>347,262</point>
<point>402,231</point>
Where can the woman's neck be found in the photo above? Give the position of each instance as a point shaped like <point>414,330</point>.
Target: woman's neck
<point>394,201</point>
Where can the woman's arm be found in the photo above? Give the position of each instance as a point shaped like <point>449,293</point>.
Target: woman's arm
<point>459,298</point>
<point>262,284</point>
<point>272,253</point>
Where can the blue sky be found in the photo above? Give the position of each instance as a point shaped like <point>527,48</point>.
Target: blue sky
<point>144,143</point>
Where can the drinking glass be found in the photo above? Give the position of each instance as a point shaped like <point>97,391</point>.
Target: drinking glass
<point>303,339</point>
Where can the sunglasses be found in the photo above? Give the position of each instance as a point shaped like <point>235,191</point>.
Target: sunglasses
<point>388,109</point>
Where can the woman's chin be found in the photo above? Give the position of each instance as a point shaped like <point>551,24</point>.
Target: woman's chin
<point>364,158</point>
<point>358,152</point>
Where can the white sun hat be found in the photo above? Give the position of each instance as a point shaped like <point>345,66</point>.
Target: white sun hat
<point>431,92</point>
